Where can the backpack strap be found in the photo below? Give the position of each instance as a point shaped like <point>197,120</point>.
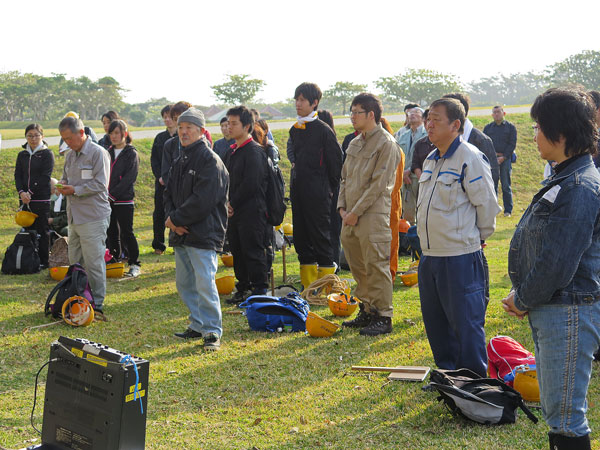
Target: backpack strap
<point>527,412</point>
<point>53,292</point>
<point>75,277</point>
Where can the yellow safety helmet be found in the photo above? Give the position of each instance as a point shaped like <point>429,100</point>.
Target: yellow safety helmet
<point>225,284</point>
<point>288,229</point>
<point>25,218</point>
<point>341,304</point>
<point>319,327</point>
<point>115,270</point>
<point>227,259</point>
<point>58,273</point>
<point>72,114</point>
<point>77,311</point>
<point>526,383</point>
<point>410,278</point>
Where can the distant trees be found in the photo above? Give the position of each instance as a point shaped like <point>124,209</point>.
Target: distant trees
<point>240,89</point>
<point>515,89</point>
<point>342,93</point>
<point>26,96</point>
<point>582,68</point>
<point>418,85</point>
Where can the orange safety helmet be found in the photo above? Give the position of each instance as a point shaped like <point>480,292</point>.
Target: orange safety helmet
<point>342,304</point>
<point>77,311</point>
<point>227,259</point>
<point>403,226</point>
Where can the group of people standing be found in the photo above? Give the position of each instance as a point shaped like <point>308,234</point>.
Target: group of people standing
<point>94,201</point>
<point>449,173</point>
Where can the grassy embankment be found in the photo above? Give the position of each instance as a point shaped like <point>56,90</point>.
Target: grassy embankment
<point>261,391</point>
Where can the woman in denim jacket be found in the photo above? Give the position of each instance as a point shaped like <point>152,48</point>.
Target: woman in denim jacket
<point>554,264</point>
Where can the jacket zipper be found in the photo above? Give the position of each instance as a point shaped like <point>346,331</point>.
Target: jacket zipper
<point>429,203</point>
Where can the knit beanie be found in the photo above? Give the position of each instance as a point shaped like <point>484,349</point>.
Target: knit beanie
<point>192,115</point>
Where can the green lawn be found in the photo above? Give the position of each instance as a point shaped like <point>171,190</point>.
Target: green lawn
<point>261,391</point>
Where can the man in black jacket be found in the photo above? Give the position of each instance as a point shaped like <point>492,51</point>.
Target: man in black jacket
<point>158,216</point>
<point>247,208</point>
<point>315,177</point>
<point>504,136</point>
<point>195,205</point>
<point>171,147</point>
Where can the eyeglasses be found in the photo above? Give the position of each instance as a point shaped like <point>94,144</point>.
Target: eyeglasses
<point>33,136</point>
<point>536,128</point>
<point>356,113</point>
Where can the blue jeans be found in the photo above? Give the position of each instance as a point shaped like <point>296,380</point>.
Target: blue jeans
<point>505,170</point>
<point>195,270</point>
<point>565,337</point>
<point>452,291</point>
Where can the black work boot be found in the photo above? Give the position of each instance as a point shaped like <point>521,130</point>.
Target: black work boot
<point>362,319</point>
<point>379,325</point>
<point>562,442</point>
<point>237,298</point>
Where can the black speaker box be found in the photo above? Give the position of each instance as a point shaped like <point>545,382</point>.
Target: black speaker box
<point>91,402</point>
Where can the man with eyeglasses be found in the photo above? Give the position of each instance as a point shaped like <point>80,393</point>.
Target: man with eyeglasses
<point>406,140</point>
<point>364,203</point>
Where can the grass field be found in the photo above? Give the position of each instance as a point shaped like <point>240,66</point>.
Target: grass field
<point>261,391</point>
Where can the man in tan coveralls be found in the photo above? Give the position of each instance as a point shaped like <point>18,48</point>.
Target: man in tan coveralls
<point>364,204</point>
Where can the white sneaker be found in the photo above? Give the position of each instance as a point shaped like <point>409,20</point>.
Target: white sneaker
<point>134,271</point>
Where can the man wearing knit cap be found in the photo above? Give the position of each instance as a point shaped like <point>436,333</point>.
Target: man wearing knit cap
<point>195,206</point>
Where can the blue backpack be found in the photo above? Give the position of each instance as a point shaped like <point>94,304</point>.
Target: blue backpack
<point>267,313</point>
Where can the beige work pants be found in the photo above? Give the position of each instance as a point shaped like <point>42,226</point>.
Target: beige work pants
<point>410,192</point>
<point>367,249</point>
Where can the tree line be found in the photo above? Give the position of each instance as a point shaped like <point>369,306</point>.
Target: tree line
<point>27,96</point>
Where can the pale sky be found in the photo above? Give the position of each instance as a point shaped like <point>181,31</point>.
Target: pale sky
<point>178,49</point>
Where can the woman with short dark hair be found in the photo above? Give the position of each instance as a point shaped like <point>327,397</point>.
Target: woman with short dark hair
<point>554,263</point>
<point>33,170</point>
<point>124,165</point>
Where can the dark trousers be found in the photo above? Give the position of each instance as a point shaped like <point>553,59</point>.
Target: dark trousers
<point>336,229</point>
<point>246,235</point>
<point>311,217</point>
<point>505,171</point>
<point>120,233</point>
<point>42,209</point>
<point>453,307</point>
<point>158,218</point>
<point>486,273</point>
<point>269,248</point>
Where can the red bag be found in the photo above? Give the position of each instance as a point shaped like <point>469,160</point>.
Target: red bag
<point>504,356</point>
